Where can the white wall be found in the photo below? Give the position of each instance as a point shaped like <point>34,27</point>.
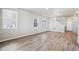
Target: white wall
<point>78,34</point>
<point>75,24</point>
<point>24,26</point>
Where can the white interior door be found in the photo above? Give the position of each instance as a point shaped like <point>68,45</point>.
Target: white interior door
<point>69,25</point>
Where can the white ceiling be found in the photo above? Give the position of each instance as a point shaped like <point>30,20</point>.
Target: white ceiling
<point>53,12</point>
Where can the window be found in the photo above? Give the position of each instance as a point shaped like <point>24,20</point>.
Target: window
<point>36,22</point>
<point>9,19</point>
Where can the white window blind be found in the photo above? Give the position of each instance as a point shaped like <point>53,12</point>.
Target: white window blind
<point>9,19</point>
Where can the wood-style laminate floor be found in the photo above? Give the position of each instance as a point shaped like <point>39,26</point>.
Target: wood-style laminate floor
<point>48,41</point>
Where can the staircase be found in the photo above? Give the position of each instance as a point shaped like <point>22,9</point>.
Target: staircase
<point>62,20</point>
<point>57,26</point>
